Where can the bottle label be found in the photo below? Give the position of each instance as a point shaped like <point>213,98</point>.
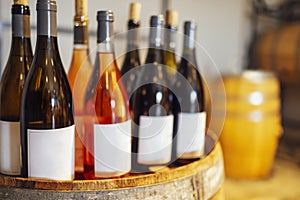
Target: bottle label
<point>155,140</point>
<point>191,134</point>
<point>51,153</point>
<point>112,149</point>
<point>10,148</point>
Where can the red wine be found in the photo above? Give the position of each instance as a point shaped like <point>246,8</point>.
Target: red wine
<point>47,124</point>
<point>108,137</point>
<point>190,93</point>
<point>11,88</point>
<point>151,108</point>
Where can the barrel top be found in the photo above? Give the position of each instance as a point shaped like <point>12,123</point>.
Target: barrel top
<point>166,175</point>
<point>254,76</point>
<point>258,75</point>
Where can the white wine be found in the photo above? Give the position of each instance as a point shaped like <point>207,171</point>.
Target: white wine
<point>11,88</point>
<point>47,124</point>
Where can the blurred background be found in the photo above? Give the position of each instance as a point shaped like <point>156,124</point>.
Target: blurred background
<point>238,35</point>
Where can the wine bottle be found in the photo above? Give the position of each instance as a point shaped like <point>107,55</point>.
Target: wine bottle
<point>170,41</point>
<point>192,117</point>
<point>47,124</point>
<point>132,59</point>
<point>78,76</point>
<point>170,61</point>
<point>11,87</point>
<point>151,113</point>
<point>110,141</point>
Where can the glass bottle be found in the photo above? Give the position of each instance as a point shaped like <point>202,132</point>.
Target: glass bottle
<point>108,137</point>
<point>11,88</point>
<point>132,58</point>
<point>151,108</point>
<point>78,76</point>
<point>190,93</point>
<point>47,123</point>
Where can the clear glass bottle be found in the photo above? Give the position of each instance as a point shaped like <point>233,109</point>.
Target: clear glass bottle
<point>108,138</point>
<point>78,76</point>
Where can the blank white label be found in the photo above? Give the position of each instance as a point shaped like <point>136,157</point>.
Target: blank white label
<point>155,139</point>
<point>51,153</point>
<point>191,135</point>
<point>112,149</point>
<point>10,148</point>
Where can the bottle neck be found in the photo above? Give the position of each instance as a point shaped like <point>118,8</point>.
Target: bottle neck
<point>46,22</point>
<point>104,31</point>
<point>20,21</point>
<point>133,35</point>
<point>170,38</point>
<point>155,38</point>
<point>189,40</point>
<point>105,48</point>
<point>81,36</point>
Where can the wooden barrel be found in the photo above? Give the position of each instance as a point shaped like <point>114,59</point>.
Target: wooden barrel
<point>252,125</point>
<point>201,179</point>
<point>278,50</point>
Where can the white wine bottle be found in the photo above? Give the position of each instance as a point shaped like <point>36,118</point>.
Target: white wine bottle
<point>47,123</point>
<point>11,87</point>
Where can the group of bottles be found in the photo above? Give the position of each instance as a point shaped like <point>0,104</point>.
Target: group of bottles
<point>131,120</point>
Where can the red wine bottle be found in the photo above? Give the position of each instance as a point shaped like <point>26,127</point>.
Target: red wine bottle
<point>47,124</point>
<point>109,138</point>
<point>191,115</point>
<point>11,88</point>
<point>151,113</point>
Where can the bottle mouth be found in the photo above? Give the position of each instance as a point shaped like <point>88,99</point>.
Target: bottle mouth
<point>48,5</point>
<point>189,26</point>
<point>20,9</point>
<point>156,20</point>
<point>105,16</point>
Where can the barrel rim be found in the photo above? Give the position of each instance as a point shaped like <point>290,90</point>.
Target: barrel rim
<point>135,181</point>
<point>253,75</point>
